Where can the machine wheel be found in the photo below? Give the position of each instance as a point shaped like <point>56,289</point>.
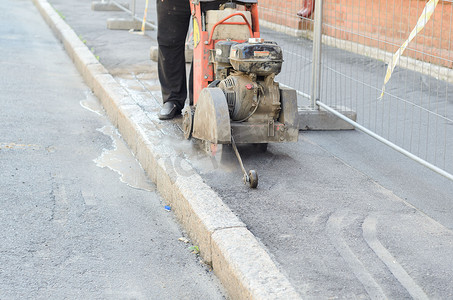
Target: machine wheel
<point>253,179</point>
<point>187,122</point>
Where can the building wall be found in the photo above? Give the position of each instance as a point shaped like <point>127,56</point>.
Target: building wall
<point>281,12</point>
<point>384,24</point>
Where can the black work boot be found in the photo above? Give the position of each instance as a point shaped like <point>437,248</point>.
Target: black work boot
<point>169,111</point>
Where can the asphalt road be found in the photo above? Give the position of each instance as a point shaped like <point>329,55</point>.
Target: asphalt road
<point>70,228</point>
<point>341,214</point>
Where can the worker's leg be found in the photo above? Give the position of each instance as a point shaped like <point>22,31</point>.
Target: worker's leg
<point>173,20</point>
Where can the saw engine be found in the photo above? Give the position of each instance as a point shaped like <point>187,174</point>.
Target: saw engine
<point>245,73</point>
<point>236,97</point>
<point>255,109</point>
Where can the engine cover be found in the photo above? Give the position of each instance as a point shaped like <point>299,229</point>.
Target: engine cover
<point>262,59</point>
<point>241,95</point>
<point>249,100</point>
<point>222,51</point>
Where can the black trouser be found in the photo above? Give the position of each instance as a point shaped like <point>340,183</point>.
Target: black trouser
<point>173,18</point>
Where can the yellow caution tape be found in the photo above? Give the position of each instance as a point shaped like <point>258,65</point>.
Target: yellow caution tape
<point>422,20</point>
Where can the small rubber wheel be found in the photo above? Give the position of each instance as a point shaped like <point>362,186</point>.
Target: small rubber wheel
<point>253,179</point>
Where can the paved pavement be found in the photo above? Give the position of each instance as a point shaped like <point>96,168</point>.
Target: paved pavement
<point>341,215</point>
<point>70,229</point>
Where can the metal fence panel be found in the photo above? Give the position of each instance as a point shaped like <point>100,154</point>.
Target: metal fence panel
<point>416,112</point>
<point>280,22</point>
<point>359,39</point>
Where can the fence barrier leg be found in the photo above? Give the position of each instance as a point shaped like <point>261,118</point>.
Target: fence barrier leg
<point>312,117</point>
<point>133,22</point>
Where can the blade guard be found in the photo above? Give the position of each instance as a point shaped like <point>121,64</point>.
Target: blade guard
<point>212,118</point>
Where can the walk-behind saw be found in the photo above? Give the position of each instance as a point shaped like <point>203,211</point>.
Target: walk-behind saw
<point>235,97</point>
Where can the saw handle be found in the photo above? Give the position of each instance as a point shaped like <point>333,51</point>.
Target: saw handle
<point>222,22</point>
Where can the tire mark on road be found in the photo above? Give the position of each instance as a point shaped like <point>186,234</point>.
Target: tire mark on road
<point>334,230</point>
<point>369,233</point>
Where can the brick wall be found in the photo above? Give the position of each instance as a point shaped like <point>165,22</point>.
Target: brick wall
<point>281,12</point>
<point>383,24</point>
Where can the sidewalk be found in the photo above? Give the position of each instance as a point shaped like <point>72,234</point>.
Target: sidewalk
<point>323,229</point>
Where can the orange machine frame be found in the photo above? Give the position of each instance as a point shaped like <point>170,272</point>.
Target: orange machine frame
<point>203,71</point>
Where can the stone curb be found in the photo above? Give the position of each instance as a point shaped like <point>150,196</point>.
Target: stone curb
<point>244,267</point>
